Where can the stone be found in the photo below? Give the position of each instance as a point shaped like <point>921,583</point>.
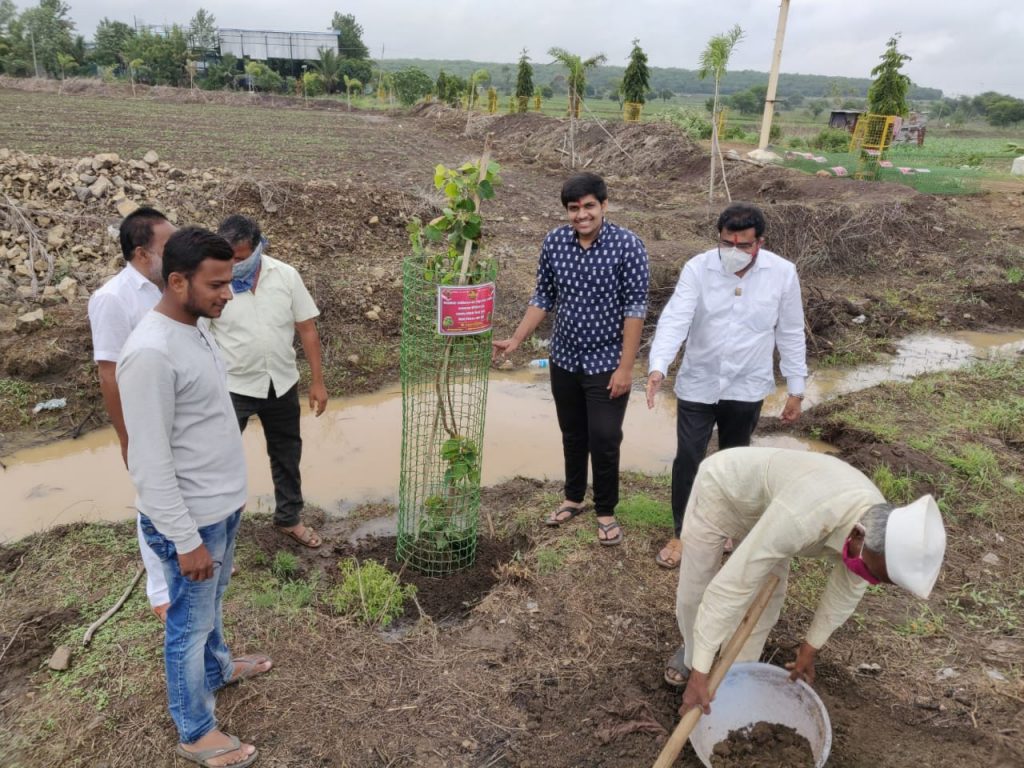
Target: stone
<point>373,315</point>
<point>151,157</point>
<point>946,673</point>
<point>30,321</point>
<point>126,206</point>
<point>353,359</point>
<point>764,156</point>
<point>138,165</point>
<point>68,288</point>
<point>100,187</point>
<point>105,160</point>
<point>995,675</point>
<point>991,559</point>
<point>1017,169</point>
<point>56,237</point>
<point>374,221</point>
<point>118,181</point>
<point>823,174</point>
<point>82,193</point>
<point>378,273</point>
<point>61,659</point>
<point>176,174</point>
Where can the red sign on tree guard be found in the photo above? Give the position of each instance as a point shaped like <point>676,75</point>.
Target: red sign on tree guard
<point>464,310</point>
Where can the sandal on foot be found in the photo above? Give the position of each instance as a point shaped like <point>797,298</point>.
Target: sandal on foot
<point>610,541</point>
<point>204,756</point>
<point>678,665</point>
<point>554,522</point>
<point>308,537</point>
<point>675,555</point>
<point>250,667</point>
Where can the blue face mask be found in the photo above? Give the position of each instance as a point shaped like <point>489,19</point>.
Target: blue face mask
<point>243,274</point>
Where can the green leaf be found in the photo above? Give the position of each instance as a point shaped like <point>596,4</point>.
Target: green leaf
<point>451,190</point>
<point>486,190</point>
<point>465,204</point>
<point>439,174</point>
<point>471,230</point>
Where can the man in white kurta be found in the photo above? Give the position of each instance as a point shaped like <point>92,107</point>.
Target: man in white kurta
<point>779,504</point>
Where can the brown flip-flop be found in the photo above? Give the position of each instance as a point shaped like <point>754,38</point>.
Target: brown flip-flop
<point>554,522</point>
<point>308,538</point>
<point>610,541</point>
<point>204,756</point>
<point>251,667</point>
<point>672,561</point>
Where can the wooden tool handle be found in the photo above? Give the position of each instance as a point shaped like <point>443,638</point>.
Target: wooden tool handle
<point>728,655</point>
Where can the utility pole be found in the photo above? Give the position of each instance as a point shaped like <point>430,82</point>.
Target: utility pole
<point>35,64</point>
<point>773,78</point>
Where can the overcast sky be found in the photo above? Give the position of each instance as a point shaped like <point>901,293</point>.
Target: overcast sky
<point>961,47</point>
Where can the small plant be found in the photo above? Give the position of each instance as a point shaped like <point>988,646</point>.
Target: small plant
<point>285,565</point>
<point>898,489</point>
<point>830,140</point>
<point>694,124</point>
<point>370,593</point>
<point>1015,275</point>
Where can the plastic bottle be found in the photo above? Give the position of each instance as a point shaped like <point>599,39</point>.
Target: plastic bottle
<point>540,362</point>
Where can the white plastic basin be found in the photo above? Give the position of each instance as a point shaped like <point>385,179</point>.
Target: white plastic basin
<point>753,692</point>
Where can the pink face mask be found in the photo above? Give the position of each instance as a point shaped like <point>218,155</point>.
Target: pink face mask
<point>856,564</point>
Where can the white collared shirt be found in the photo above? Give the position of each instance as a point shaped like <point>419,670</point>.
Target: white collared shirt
<point>256,331</point>
<point>116,308</point>
<point>730,325</point>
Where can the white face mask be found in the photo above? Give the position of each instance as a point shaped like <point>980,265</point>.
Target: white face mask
<point>733,259</point>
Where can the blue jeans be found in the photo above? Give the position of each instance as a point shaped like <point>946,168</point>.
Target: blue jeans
<point>196,658</point>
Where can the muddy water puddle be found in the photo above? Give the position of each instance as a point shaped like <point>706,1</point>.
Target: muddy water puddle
<point>351,453</point>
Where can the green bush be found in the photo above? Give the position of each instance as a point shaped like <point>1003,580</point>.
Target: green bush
<point>370,593</point>
<point>795,142</point>
<point>830,140</point>
<point>694,124</point>
<point>313,84</point>
<point>285,565</point>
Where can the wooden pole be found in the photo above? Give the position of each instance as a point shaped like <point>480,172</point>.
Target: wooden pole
<point>773,77</point>
<point>728,655</point>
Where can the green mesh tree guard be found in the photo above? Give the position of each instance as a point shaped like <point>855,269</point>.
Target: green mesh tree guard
<point>444,398</point>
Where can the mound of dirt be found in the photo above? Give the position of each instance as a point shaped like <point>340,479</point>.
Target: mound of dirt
<point>28,644</point>
<point>765,745</point>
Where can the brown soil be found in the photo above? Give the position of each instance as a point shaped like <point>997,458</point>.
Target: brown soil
<point>27,645</point>
<point>763,745</point>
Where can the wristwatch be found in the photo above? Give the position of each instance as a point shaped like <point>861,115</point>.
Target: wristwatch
<point>798,397</point>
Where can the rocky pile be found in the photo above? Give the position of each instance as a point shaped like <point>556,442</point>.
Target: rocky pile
<point>58,220</point>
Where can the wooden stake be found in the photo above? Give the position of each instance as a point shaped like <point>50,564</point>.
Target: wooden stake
<point>728,655</point>
<point>87,638</point>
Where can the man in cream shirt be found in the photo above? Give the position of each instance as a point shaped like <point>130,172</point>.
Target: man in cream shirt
<point>256,335</point>
<point>779,504</point>
<point>733,306</point>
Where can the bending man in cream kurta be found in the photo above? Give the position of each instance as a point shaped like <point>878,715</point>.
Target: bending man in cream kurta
<point>779,504</point>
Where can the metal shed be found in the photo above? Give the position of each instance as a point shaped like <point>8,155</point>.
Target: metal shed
<point>266,44</point>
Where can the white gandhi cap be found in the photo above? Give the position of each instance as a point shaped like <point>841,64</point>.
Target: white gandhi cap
<point>915,543</point>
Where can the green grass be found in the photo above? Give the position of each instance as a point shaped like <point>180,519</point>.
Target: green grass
<point>641,511</point>
<point>976,464</point>
<point>285,565</point>
<point>897,489</point>
<point>369,593</point>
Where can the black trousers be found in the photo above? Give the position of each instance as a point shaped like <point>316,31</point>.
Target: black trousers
<point>280,419</point>
<point>694,423</point>
<point>591,424</point>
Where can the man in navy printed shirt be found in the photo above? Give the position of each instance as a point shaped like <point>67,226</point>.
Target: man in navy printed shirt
<point>593,275</point>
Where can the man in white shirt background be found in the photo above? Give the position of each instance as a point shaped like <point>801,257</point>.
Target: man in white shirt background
<point>256,335</point>
<point>733,306</point>
<point>114,311</point>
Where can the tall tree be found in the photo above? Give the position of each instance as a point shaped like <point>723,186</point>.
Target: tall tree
<point>714,60</point>
<point>636,80</point>
<point>162,56</point>
<point>49,26</point>
<point>110,42</point>
<point>577,80</point>
<point>202,31</point>
<point>524,81</point>
<point>350,36</point>
<point>888,93</point>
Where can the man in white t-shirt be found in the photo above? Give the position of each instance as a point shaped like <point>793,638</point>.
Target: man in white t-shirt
<point>256,335</point>
<point>114,311</point>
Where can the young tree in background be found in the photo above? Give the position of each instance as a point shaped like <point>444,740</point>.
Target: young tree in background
<point>524,83</point>
<point>577,80</point>
<point>329,68</point>
<point>51,29</point>
<point>110,42</point>
<point>888,93</point>
<point>714,61</point>
<point>350,36</point>
<point>636,81</point>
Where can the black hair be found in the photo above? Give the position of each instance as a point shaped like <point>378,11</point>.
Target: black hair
<point>136,230</point>
<point>739,216</point>
<point>191,246</point>
<point>579,185</point>
<point>239,229</point>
